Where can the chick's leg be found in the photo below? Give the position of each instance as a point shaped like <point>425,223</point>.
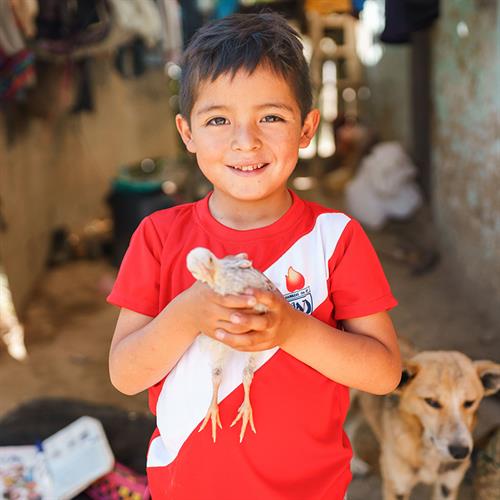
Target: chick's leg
<point>245,411</point>
<point>213,409</point>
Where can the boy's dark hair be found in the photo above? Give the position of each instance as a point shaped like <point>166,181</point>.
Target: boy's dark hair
<point>245,41</point>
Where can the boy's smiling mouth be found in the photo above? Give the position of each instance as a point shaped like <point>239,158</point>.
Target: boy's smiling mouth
<point>248,167</point>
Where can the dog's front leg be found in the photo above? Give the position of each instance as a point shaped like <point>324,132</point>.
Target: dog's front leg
<point>398,478</point>
<point>443,492</point>
<point>390,493</point>
<point>446,487</point>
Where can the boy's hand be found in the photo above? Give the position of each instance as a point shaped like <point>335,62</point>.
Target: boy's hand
<point>259,331</point>
<point>212,311</point>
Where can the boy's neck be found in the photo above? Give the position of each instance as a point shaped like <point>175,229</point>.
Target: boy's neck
<point>243,215</point>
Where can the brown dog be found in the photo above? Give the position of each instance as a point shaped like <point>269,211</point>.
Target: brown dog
<point>425,426</point>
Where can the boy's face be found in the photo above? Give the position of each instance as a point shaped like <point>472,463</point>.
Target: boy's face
<point>246,133</point>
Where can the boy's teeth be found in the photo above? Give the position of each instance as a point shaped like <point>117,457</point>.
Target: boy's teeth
<point>246,168</point>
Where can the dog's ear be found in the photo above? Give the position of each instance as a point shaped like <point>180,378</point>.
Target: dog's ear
<point>489,373</point>
<point>410,370</point>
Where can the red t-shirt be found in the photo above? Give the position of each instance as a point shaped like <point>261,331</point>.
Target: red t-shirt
<point>324,264</point>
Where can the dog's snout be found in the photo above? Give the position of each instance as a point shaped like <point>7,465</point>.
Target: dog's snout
<point>458,451</point>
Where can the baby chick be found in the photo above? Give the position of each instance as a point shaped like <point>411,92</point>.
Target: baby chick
<point>232,274</point>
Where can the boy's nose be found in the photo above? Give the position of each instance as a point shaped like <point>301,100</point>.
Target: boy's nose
<point>245,138</point>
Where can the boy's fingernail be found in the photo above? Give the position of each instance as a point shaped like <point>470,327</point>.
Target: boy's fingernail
<point>252,301</point>
<point>235,318</point>
<point>219,334</point>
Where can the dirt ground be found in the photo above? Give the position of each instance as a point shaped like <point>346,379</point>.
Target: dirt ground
<point>69,327</point>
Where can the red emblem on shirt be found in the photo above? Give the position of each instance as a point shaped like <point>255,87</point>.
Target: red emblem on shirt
<point>294,280</point>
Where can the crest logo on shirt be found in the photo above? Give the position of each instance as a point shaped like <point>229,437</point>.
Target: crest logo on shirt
<point>299,297</point>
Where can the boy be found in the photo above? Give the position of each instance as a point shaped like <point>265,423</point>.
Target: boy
<point>245,112</point>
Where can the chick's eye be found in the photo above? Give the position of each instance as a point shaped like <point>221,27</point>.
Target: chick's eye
<point>271,119</point>
<point>218,120</point>
<point>433,402</point>
<point>469,403</point>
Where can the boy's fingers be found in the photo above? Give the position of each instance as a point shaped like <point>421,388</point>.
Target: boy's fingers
<point>231,327</point>
<point>251,341</point>
<point>233,301</point>
<point>263,297</point>
<point>239,322</point>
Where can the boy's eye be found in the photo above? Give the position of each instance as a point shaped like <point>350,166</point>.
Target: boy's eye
<point>218,120</point>
<point>271,119</point>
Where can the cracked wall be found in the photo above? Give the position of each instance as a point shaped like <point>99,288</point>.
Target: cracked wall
<point>466,145</point>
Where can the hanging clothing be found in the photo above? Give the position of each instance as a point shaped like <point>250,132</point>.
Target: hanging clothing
<point>403,17</point>
<point>170,15</point>
<point>84,98</point>
<point>138,18</point>
<point>25,12</point>
<point>130,59</point>
<point>68,28</point>
<point>421,13</point>
<point>357,5</point>
<point>17,73</point>
<point>192,20</point>
<point>396,28</point>
<point>224,8</point>
<point>328,6</point>
<point>11,39</point>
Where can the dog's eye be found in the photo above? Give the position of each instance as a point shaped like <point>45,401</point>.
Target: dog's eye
<point>433,402</point>
<point>468,404</point>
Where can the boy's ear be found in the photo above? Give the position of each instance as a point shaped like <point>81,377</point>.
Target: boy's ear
<point>309,128</point>
<point>185,132</point>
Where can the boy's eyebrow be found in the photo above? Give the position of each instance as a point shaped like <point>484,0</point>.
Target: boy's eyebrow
<point>221,107</point>
<point>210,108</point>
<point>278,105</point>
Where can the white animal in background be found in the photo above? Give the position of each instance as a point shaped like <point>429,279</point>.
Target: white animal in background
<point>232,274</point>
<point>11,330</point>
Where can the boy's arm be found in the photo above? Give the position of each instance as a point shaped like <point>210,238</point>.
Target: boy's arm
<point>144,349</point>
<point>365,356</point>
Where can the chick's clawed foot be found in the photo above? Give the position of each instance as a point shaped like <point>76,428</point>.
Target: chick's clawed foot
<point>213,415</point>
<point>245,414</point>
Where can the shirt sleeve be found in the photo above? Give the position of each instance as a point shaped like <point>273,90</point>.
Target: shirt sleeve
<point>138,282</point>
<point>358,285</point>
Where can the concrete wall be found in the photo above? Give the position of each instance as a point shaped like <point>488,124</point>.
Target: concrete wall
<point>466,145</point>
<point>58,171</point>
<point>388,109</point>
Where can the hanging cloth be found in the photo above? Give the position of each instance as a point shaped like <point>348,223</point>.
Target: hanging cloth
<point>25,12</point>
<point>357,5</point>
<point>11,39</point>
<point>225,8</point>
<point>396,28</point>
<point>421,13</point>
<point>138,18</point>
<point>71,28</point>
<point>171,21</point>
<point>192,20</point>
<point>130,59</point>
<point>17,73</point>
<point>326,7</point>
<point>84,97</point>
<point>402,17</point>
